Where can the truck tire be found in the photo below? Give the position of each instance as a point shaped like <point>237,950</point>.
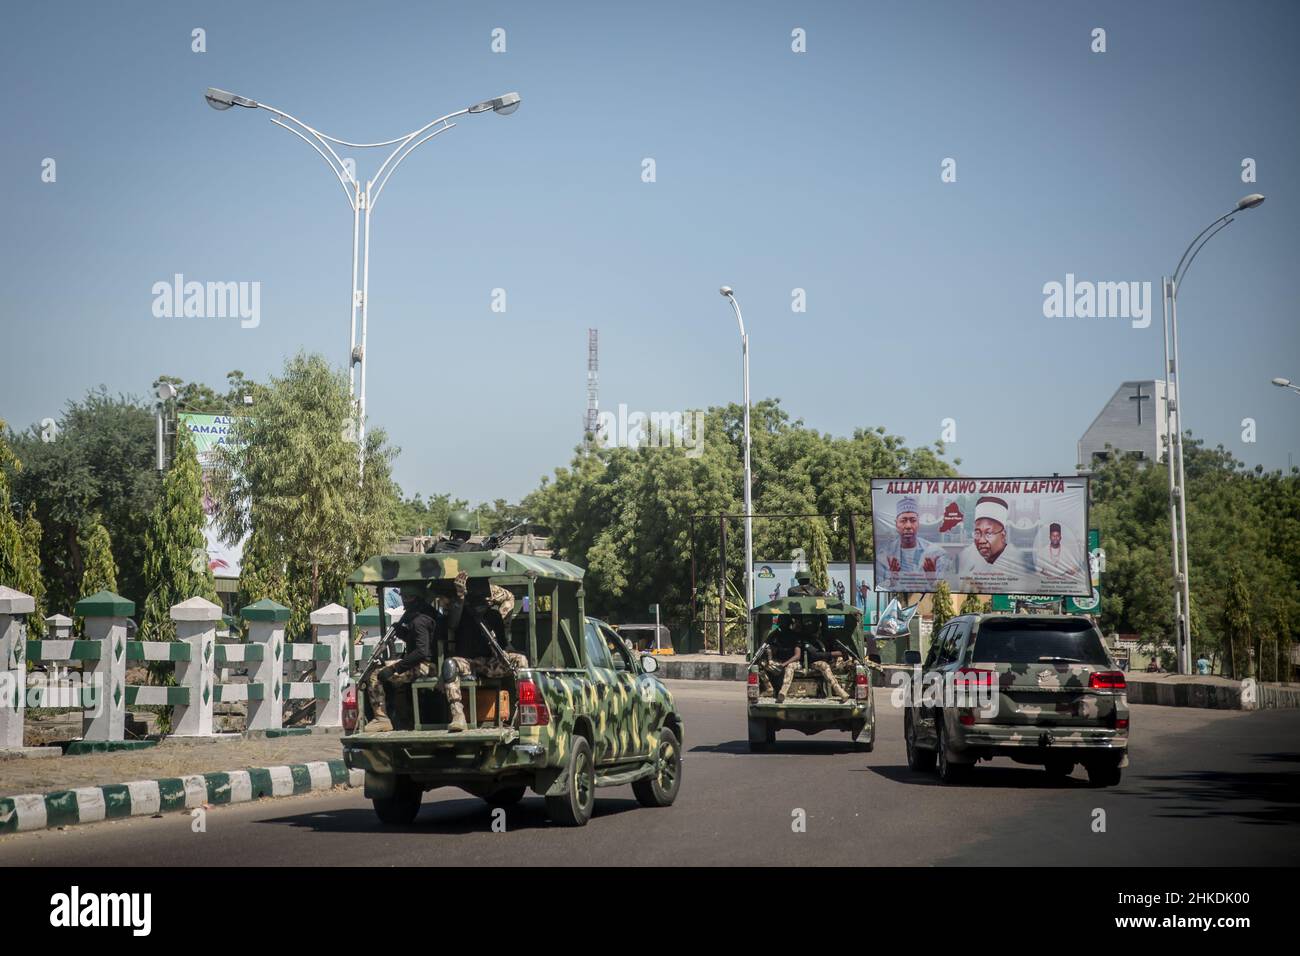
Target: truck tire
<point>661,789</point>
<point>917,759</point>
<point>402,807</point>
<point>762,736</point>
<point>949,772</point>
<point>573,807</point>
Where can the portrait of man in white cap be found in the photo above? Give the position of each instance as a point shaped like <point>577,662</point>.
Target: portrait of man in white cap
<point>991,557</point>
<point>1058,555</point>
<point>907,556</point>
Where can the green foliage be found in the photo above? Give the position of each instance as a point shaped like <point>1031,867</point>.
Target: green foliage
<point>624,513</point>
<point>20,541</point>
<point>1237,625</point>
<point>942,600</point>
<point>176,562</point>
<point>289,473</point>
<point>99,573</point>
<point>101,459</point>
<point>1239,523</point>
<point>971,605</point>
<point>819,554</point>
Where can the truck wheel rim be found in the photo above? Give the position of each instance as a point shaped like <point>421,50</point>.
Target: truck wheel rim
<point>581,782</point>
<point>667,766</point>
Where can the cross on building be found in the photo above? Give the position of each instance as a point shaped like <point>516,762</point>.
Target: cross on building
<point>1139,398</point>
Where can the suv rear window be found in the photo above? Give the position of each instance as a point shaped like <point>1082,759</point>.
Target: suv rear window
<point>1013,642</point>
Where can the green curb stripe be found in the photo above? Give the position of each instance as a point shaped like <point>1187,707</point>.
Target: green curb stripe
<point>63,651</point>
<point>117,800</point>
<point>61,809</point>
<point>260,779</point>
<point>287,732</point>
<point>142,696</point>
<point>157,651</point>
<point>218,787</point>
<point>171,794</point>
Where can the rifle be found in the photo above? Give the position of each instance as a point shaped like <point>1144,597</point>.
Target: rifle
<point>494,541</point>
<point>497,649</point>
<point>758,655</point>
<point>381,648</point>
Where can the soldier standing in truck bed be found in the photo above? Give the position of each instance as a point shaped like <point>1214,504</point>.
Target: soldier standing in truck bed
<point>465,615</point>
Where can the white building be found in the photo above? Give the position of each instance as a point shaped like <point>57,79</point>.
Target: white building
<point>1132,423</point>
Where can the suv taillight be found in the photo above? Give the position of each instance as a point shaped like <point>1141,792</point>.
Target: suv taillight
<point>751,686</point>
<point>860,686</point>
<point>350,709</point>
<point>533,711</point>
<point>1107,680</point>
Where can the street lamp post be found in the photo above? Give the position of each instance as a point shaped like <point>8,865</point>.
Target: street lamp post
<point>1286,383</point>
<point>362,199</point>
<point>1174,429</point>
<point>730,296</point>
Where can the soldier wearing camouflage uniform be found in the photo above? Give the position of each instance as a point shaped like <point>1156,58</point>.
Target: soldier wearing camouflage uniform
<point>781,659</point>
<point>474,655</point>
<point>824,662</point>
<point>415,630</point>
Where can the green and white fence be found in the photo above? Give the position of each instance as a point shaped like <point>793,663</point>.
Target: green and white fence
<point>105,653</point>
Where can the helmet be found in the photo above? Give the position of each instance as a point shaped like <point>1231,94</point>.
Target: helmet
<point>803,577</point>
<point>412,590</point>
<point>459,520</point>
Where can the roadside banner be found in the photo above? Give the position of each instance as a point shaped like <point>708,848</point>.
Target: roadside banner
<point>982,535</point>
<point>210,432</point>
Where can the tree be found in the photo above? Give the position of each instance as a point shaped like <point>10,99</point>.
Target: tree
<point>99,573</point>
<point>1237,622</point>
<point>99,457</point>
<point>20,558</point>
<point>942,601</point>
<point>176,561</point>
<point>289,472</point>
<point>819,555</point>
<point>972,605</point>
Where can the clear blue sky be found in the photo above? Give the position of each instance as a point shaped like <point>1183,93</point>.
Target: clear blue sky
<point>775,170</point>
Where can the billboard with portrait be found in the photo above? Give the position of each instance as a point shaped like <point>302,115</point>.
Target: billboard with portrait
<point>982,535</point>
<point>209,432</point>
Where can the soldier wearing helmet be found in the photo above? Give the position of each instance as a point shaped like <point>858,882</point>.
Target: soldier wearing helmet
<point>459,528</point>
<point>804,587</point>
<point>415,630</point>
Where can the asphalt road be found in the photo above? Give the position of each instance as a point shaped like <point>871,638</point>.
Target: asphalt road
<point>1205,788</point>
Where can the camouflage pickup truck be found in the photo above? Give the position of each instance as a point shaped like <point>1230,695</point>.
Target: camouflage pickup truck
<point>584,713</point>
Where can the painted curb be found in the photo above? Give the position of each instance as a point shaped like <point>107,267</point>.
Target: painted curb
<point>144,798</point>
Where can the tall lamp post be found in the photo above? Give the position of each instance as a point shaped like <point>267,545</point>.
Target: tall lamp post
<point>1286,383</point>
<point>1174,429</point>
<point>730,296</point>
<point>362,200</point>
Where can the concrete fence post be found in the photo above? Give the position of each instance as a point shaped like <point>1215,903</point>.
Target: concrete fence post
<point>14,608</point>
<point>106,615</point>
<point>266,621</point>
<point>196,626</point>
<point>331,624</point>
<point>58,627</point>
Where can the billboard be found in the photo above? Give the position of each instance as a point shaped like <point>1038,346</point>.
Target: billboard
<point>208,432</point>
<point>773,579</point>
<point>982,535</point>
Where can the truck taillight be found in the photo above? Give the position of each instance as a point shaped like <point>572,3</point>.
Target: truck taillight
<point>533,711</point>
<point>1107,680</point>
<point>860,686</point>
<point>751,686</point>
<point>350,709</point>
<point>1121,723</point>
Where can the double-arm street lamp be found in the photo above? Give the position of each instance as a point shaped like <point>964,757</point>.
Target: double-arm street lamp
<point>362,200</point>
<point>730,296</point>
<point>1174,430</point>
